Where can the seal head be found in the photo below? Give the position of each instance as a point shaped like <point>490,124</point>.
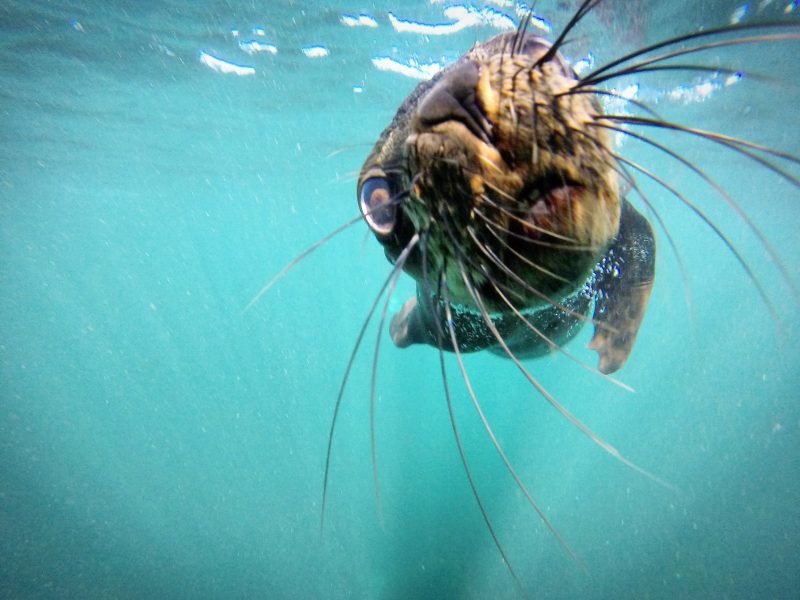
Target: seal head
<point>511,186</point>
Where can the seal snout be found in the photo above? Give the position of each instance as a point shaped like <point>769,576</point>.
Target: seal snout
<point>453,98</point>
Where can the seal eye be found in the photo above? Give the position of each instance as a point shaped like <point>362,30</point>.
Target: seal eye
<point>375,201</point>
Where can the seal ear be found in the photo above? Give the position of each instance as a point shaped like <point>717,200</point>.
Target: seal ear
<point>623,290</point>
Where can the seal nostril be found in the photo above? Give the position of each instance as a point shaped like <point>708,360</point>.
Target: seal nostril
<point>452,98</point>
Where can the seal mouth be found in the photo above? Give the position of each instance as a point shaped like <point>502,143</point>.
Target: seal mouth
<point>550,210</point>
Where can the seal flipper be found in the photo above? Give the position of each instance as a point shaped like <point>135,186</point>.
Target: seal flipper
<point>623,289</point>
<point>405,327</point>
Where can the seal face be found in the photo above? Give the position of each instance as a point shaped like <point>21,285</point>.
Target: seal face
<point>511,185</point>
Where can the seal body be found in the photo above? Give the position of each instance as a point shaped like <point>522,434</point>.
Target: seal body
<point>497,188</point>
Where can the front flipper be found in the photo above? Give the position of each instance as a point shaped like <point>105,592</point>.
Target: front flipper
<point>623,289</point>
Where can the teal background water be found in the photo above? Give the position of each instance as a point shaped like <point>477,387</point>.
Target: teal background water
<point>157,442</point>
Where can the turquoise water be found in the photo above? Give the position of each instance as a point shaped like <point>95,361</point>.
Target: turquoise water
<point>159,442</point>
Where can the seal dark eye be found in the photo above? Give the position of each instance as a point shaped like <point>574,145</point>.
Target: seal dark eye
<point>375,201</point>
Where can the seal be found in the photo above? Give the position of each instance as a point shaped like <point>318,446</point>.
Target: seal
<point>511,184</point>
<point>498,188</point>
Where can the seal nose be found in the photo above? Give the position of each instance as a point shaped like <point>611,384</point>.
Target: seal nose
<point>452,98</point>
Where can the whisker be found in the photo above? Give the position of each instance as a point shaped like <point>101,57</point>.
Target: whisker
<point>535,130</point>
<point>507,211</point>
<point>497,261</point>
<point>395,269</point>
<point>640,68</point>
<point>453,162</point>
<point>299,258</point>
<point>345,177</point>
<point>349,147</point>
<point>529,240</point>
<point>459,444</point>
<point>600,92</point>
<point>741,146</point>
<point>687,289</point>
<point>550,399</point>
<point>554,346</point>
<point>401,261</point>
<point>542,296</point>
<point>489,162</point>
<point>522,221</point>
<point>440,336</point>
<point>717,231</point>
<point>584,9</point>
<point>519,35</point>
<point>685,38</point>
<point>426,283</point>
<point>725,196</point>
<point>320,242</point>
<point>523,258</point>
<point>631,180</point>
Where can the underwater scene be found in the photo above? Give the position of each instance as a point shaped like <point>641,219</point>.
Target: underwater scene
<point>186,275</point>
